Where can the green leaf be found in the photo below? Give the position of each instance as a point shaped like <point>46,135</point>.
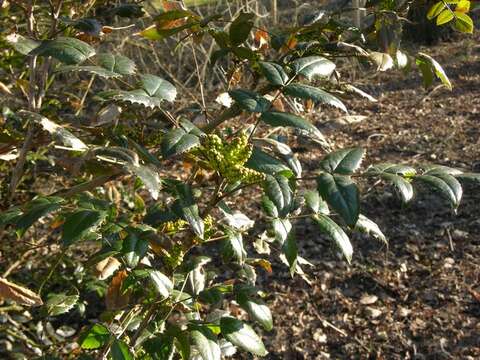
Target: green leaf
<point>134,249</point>
<point>290,250</point>
<point>58,304</point>
<point>138,96</point>
<point>463,23</point>
<point>445,17</point>
<point>78,224</point>
<point>265,163</point>
<point>95,337</point>
<point>274,73</point>
<point>10,216</point>
<point>177,141</point>
<point>317,95</point>
<point>160,347</point>
<point>158,87</point>
<point>367,226</point>
<point>278,190</point>
<point>275,118</point>
<point>22,44</point>
<point>315,202</point>
<point>120,351</point>
<point>313,66</point>
<point>256,309</point>
<point>233,246</point>
<point>206,342</point>
<point>186,208</point>
<point>35,210</point>
<point>403,170</point>
<point>435,10</point>
<point>242,335</point>
<point>281,229</point>
<point>117,64</point>
<point>344,161</point>
<point>466,177</point>
<point>285,153</point>
<point>89,26</point>
<point>240,28</point>
<point>97,70</point>
<point>446,184</point>
<point>341,194</point>
<point>162,283</point>
<point>70,51</point>
<point>250,101</point>
<point>149,177</point>
<point>336,233</point>
<point>403,186</point>
<point>427,63</point>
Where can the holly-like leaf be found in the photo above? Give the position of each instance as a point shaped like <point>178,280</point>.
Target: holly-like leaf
<point>186,208</point>
<point>404,188</point>
<point>315,202</point>
<point>281,229</point>
<point>240,28</point>
<point>274,73</point>
<point>178,141</point>
<point>117,64</point>
<point>344,161</point>
<point>35,210</point>
<point>69,51</point>
<point>290,250</point>
<point>446,184</point>
<point>250,101</point>
<point>134,249</point>
<point>22,44</point>
<point>163,285</point>
<point>138,96</point>
<point>242,335</point>
<point>158,87</point>
<point>313,66</point>
<point>367,226</point>
<point>80,223</point>
<point>58,304</point>
<point>92,69</point>
<point>336,233</point>
<point>317,95</point>
<point>206,342</point>
<point>257,310</point>
<point>275,118</point>
<point>278,190</point>
<point>341,194</point>
<point>265,163</point>
<point>120,351</point>
<point>431,67</point>
<point>95,337</point>
<point>233,246</point>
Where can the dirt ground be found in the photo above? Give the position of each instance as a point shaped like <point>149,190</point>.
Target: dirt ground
<point>420,297</point>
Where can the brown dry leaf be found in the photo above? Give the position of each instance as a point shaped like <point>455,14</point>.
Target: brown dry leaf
<point>291,43</point>
<point>19,294</point>
<point>4,88</point>
<point>261,39</point>
<point>114,299</point>
<point>172,5</point>
<point>171,24</point>
<point>234,77</point>
<point>264,264</point>
<point>56,223</point>
<point>107,267</point>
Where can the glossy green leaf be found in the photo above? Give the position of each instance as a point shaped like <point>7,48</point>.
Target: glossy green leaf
<point>367,226</point>
<point>240,28</point>
<point>160,347</point>
<point>35,210</point>
<point>446,184</point>
<point>120,351</point>
<point>290,250</point>
<point>163,285</point>
<point>242,335</point>
<point>473,178</point>
<point>117,64</point>
<point>313,66</point>
<point>250,101</point>
<point>315,94</point>
<point>404,188</point>
<point>278,190</point>
<point>257,310</point>
<point>336,233</point>
<point>138,96</point>
<point>265,163</point>
<point>177,141</point>
<point>22,44</point>
<point>463,23</point>
<point>206,342</point>
<point>315,203</point>
<point>274,73</point>
<point>344,161</point>
<point>281,229</point>
<point>233,246</point>
<point>285,153</point>
<point>149,177</point>
<point>428,64</point>
<point>68,50</point>
<point>95,337</point>
<point>186,208</point>
<point>58,304</point>
<point>275,118</point>
<point>78,224</point>
<point>444,17</point>
<point>436,9</point>
<point>158,87</point>
<point>341,194</point>
<point>96,70</point>
<point>134,249</point>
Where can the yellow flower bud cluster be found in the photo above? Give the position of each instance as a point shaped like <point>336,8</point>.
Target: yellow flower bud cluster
<point>174,257</point>
<point>229,158</point>
<point>172,227</point>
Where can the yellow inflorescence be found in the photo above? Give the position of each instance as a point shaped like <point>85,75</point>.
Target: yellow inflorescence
<point>229,158</point>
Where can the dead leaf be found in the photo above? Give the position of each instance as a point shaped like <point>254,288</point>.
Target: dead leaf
<point>115,299</point>
<point>19,294</point>
<point>261,39</point>
<point>107,267</point>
